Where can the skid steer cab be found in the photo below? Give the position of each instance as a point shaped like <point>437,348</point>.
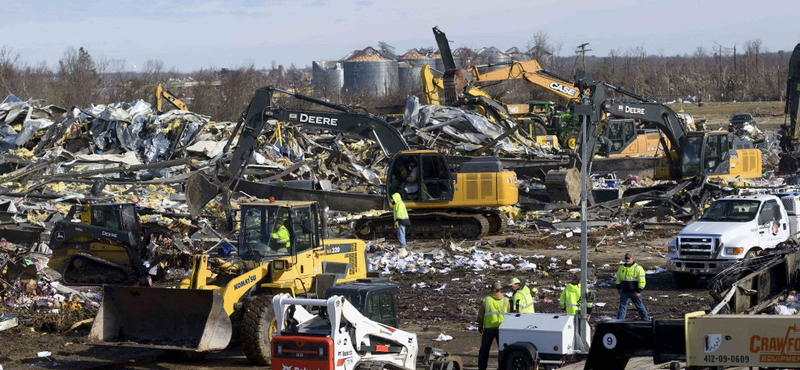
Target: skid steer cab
<point>337,334</point>
<point>101,244</point>
<point>281,250</point>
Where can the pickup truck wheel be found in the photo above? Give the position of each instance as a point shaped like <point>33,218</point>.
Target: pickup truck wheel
<point>686,280</point>
<point>519,360</point>
<point>258,326</point>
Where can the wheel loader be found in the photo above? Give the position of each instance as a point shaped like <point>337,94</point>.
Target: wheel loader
<point>101,244</point>
<point>234,290</point>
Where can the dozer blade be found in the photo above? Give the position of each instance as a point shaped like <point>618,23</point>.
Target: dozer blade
<point>171,319</point>
<point>199,191</point>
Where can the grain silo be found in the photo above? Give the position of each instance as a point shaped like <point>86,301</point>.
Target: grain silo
<point>368,72</point>
<point>465,57</point>
<point>410,68</point>
<point>327,77</point>
<point>517,55</point>
<point>495,57</point>
<point>438,63</point>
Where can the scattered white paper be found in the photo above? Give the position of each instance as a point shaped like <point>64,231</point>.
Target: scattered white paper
<point>443,338</point>
<point>569,234</point>
<point>441,288</point>
<point>44,354</point>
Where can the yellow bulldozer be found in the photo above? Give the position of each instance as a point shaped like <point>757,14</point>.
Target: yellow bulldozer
<point>234,291</point>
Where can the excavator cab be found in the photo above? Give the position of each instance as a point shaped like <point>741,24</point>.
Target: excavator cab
<point>705,154</point>
<point>420,176</point>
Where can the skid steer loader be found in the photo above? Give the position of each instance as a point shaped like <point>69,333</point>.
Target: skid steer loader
<point>236,292</point>
<point>340,337</point>
<point>99,244</point>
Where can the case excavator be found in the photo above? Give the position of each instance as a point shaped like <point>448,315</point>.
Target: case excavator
<point>233,291</point>
<point>164,94</point>
<point>450,196</point>
<point>539,120</point>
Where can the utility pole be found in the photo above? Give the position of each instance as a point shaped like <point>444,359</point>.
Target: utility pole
<point>582,50</point>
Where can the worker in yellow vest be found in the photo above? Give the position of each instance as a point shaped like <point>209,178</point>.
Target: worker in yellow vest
<point>630,283</point>
<point>401,222</point>
<point>490,315</point>
<point>280,235</point>
<point>570,299</point>
<point>522,300</point>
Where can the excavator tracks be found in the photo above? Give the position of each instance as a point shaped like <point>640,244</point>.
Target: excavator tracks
<point>434,225</point>
<point>86,269</point>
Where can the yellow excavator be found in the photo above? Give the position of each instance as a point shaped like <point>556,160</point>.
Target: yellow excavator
<point>689,154</point>
<point>451,196</point>
<point>234,290</point>
<point>164,94</point>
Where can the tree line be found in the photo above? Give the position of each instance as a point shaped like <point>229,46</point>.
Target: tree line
<point>718,75</point>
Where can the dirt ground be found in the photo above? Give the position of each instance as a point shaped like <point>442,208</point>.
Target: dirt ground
<point>428,311</point>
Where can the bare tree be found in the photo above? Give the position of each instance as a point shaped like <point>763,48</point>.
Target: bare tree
<point>79,81</point>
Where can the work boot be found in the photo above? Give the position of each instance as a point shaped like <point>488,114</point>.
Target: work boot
<point>402,252</point>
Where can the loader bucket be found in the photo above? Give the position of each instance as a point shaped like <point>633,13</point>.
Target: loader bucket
<point>170,319</point>
<point>199,191</point>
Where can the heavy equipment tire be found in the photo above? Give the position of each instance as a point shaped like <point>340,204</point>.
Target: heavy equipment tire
<point>182,356</point>
<point>258,326</point>
<point>370,365</point>
<point>571,140</point>
<point>519,360</point>
<point>686,280</point>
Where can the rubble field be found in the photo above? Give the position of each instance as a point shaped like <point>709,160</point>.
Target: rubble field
<point>127,153</point>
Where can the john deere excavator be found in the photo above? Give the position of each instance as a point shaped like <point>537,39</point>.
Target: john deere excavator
<point>790,131</point>
<point>456,196</point>
<point>691,153</point>
<point>234,290</point>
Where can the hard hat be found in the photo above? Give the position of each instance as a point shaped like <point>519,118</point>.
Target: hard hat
<point>497,285</point>
<point>514,281</point>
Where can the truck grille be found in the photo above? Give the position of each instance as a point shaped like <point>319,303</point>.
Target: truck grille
<point>696,247</point>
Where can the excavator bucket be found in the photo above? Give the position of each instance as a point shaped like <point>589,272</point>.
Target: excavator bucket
<point>170,319</point>
<point>199,191</point>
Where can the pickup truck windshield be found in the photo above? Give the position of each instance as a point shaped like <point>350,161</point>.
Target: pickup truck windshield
<point>731,210</point>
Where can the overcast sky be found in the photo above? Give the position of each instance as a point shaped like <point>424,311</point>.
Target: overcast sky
<point>193,34</point>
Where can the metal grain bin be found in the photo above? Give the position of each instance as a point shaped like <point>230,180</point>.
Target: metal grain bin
<point>465,57</point>
<point>368,72</point>
<point>494,56</point>
<point>517,55</point>
<point>327,78</point>
<point>410,68</point>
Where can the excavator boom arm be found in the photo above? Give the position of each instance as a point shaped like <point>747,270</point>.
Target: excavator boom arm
<point>792,108</point>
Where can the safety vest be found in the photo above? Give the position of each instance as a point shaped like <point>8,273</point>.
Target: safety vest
<point>522,301</point>
<point>629,278</point>
<point>494,311</point>
<point>282,236</point>
<point>570,299</point>
<point>400,212</point>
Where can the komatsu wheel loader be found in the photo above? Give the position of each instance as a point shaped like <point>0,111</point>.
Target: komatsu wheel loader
<point>340,337</point>
<point>234,292</point>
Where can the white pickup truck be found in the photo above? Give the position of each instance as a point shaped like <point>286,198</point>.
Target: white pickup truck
<point>733,228</point>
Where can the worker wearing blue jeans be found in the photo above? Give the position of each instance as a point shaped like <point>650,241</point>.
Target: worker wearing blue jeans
<point>630,283</point>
